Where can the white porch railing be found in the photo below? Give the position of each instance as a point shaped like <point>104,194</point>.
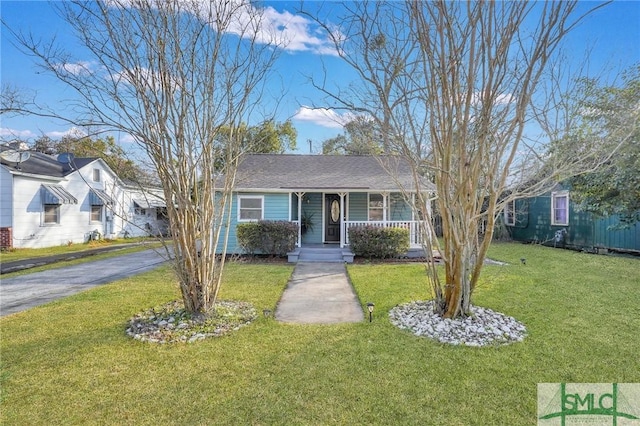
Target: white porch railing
<point>415,237</point>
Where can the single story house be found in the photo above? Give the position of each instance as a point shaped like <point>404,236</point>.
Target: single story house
<point>325,195</point>
<point>50,200</point>
<point>553,219</point>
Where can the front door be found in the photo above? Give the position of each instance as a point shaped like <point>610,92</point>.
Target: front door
<point>332,210</point>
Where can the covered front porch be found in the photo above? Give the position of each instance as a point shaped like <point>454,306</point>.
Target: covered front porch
<point>325,217</point>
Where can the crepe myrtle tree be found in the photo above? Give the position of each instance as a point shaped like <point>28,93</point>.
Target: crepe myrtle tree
<point>452,87</point>
<point>171,74</point>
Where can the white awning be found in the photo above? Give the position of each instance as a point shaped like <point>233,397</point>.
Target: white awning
<point>152,203</point>
<point>55,194</point>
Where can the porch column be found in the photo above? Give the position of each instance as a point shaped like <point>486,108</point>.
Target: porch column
<point>300,195</point>
<point>342,218</point>
<point>385,206</point>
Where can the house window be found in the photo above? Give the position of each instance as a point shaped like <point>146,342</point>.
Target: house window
<point>510,213</point>
<point>161,213</point>
<point>250,208</point>
<point>139,211</point>
<point>96,175</point>
<point>397,207</point>
<point>377,205</point>
<point>51,213</point>
<point>96,213</point>
<point>560,208</point>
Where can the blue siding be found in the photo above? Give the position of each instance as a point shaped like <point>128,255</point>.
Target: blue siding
<point>276,207</point>
<point>312,205</point>
<point>399,209</point>
<point>585,231</point>
<point>284,206</point>
<point>358,206</point>
<point>623,239</point>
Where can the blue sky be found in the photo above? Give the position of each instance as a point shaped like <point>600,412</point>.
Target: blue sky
<point>612,36</point>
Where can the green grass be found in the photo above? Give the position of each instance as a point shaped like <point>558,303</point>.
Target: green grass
<point>31,253</point>
<point>70,362</point>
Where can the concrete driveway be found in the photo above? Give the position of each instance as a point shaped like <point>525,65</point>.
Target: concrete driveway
<point>26,291</point>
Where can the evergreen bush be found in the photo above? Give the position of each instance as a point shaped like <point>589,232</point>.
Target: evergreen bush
<point>274,237</point>
<point>374,242</point>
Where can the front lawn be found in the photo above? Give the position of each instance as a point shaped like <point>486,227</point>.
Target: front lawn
<point>70,362</point>
<point>34,253</point>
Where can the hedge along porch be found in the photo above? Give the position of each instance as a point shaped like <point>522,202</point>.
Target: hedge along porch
<point>324,195</point>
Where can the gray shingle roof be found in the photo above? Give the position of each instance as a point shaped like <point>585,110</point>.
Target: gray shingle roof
<point>323,172</point>
<point>45,165</point>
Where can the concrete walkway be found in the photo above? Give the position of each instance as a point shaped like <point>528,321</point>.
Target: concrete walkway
<point>319,293</point>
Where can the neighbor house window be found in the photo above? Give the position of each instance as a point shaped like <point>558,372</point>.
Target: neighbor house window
<point>51,213</point>
<point>96,175</point>
<point>560,208</point>
<point>250,208</point>
<point>161,213</point>
<point>510,213</point>
<point>377,204</point>
<point>96,213</point>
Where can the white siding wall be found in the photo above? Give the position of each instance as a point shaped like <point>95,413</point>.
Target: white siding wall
<point>75,223</point>
<point>80,184</point>
<point>29,229</point>
<point>6,195</point>
<point>141,224</point>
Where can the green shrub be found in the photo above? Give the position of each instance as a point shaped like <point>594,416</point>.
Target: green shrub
<point>374,242</point>
<point>249,235</point>
<point>275,237</point>
<point>278,237</point>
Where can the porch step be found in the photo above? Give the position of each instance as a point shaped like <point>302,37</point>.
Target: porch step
<point>312,254</point>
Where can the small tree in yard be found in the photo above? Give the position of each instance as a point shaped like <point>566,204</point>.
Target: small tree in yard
<point>452,86</point>
<point>610,118</point>
<point>172,74</point>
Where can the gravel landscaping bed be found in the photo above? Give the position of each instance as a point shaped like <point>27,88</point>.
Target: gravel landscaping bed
<point>171,323</point>
<point>483,327</point>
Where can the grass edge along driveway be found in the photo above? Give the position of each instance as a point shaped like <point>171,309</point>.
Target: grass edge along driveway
<point>70,361</point>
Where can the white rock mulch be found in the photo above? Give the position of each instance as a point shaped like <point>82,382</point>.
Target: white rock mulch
<point>483,328</point>
<point>171,323</point>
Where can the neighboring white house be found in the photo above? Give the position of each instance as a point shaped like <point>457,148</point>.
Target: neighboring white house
<point>48,201</point>
<point>146,211</point>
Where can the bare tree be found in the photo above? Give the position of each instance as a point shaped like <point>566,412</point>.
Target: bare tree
<point>454,86</point>
<point>172,74</point>
<point>12,99</point>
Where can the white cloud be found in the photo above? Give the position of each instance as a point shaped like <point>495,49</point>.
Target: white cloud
<point>502,99</point>
<point>126,138</point>
<point>298,33</point>
<point>293,33</point>
<point>78,68</point>
<point>73,132</point>
<point>325,117</point>
<point>16,134</point>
